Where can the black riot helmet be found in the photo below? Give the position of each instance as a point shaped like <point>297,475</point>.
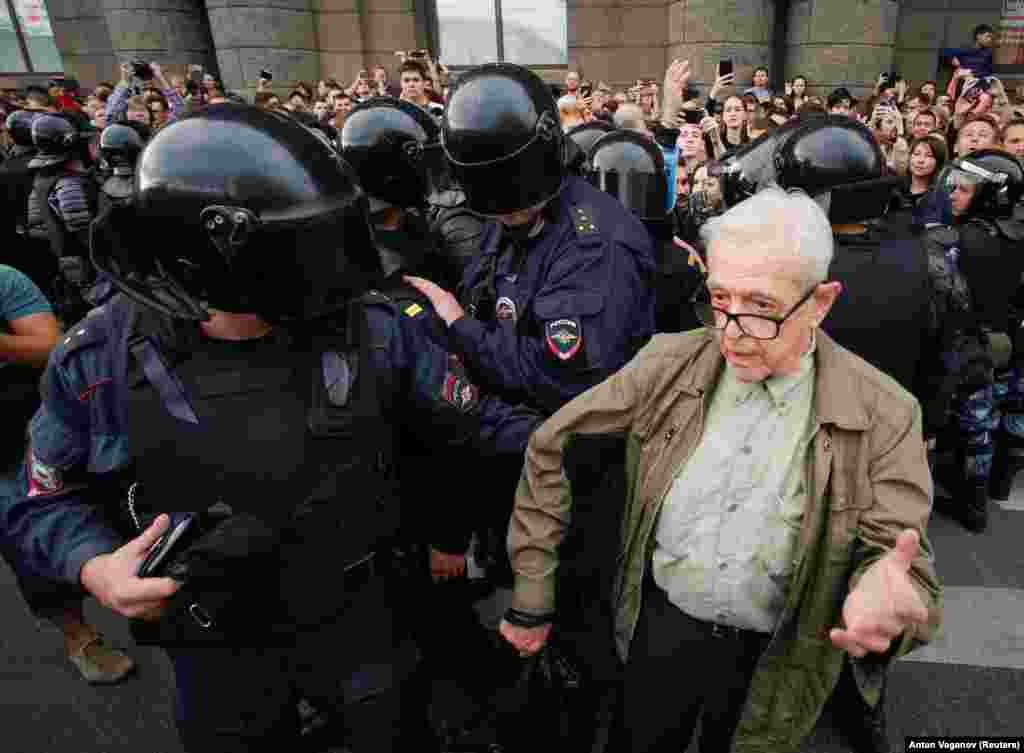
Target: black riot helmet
<point>584,136</point>
<point>19,126</point>
<point>994,177</point>
<point>255,214</point>
<point>630,167</point>
<point>502,136</point>
<point>752,166</point>
<point>395,148</point>
<point>120,146</point>
<point>57,140</point>
<point>837,156</point>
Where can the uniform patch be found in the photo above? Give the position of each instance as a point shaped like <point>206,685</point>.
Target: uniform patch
<point>43,478</point>
<point>505,308</point>
<point>564,337</point>
<point>413,309</point>
<point>459,392</point>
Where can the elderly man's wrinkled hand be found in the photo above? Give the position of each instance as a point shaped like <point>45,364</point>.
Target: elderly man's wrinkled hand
<point>528,641</point>
<point>884,604</point>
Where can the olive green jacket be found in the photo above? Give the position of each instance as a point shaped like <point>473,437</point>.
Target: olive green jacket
<point>869,477</point>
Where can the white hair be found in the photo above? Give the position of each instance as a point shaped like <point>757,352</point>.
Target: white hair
<point>793,220</point>
<point>629,117</point>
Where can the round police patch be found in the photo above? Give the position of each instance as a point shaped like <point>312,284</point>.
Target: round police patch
<point>564,338</point>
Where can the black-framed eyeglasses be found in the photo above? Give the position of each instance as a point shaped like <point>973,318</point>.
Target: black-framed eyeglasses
<point>757,326</point>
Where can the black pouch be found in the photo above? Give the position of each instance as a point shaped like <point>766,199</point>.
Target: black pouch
<point>228,569</point>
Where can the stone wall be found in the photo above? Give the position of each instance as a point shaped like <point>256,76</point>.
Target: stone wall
<point>841,42</point>
<point>94,36</point>
<point>926,26</point>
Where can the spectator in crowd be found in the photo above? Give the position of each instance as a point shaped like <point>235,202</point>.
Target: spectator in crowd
<point>734,120</point>
<point>603,105</point>
<point>630,117</point>
<point>361,91</point>
<point>382,84</point>
<point>122,104</point>
<point>572,82</point>
<point>760,84</point>
<point>325,85</point>
<point>693,148</point>
<point>343,105</point>
<point>812,106</point>
<point>1013,138</point>
<point>927,158</point>
<point>297,101</point>
<point>648,100</point>
<point>840,102</point>
<point>799,92</point>
<point>178,84</point>
<point>569,112</point>
<point>760,125</point>
<point>977,59</point>
<point>412,75</point>
<point>929,89</point>
<point>267,101</point>
<point>925,121</point>
<point>320,110</point>
<point>668,624</point>
<point>37,98</point>
<point>977,132</point>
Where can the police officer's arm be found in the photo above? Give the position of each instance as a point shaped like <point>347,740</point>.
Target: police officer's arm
<point>579,283</point>
<point>117,102</point>
<point>74,208</point>
<point>57,530</point>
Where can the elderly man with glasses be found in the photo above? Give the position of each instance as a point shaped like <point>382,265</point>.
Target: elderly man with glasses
<point>777,498</point>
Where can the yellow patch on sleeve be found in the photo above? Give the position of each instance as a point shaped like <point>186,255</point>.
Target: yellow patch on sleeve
<point>413,309</point>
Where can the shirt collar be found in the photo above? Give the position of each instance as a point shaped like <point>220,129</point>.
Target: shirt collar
<point>782,386</point>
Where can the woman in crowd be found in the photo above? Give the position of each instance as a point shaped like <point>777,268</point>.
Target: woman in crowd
<point>1013,137</point>
<point>693,148</point>
<point>799,93</point>
<point>927,157</point>
<point>734,122</point>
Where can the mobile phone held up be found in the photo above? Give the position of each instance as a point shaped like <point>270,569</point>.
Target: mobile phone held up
<point>266,75</point>
<point>724,68</point>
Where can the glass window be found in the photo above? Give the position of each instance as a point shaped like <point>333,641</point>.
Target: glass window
<point>35,27</point>
<point>468,32</point>
<point>11,59</point>
<point>535,32</point>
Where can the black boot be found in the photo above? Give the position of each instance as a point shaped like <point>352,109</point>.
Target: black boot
<point>973,502</point>
<point>1009,460</point>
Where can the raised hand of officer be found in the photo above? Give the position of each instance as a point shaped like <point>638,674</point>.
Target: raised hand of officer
<point>112,580</point>
<point>884,604</point>
<point>444,303</point>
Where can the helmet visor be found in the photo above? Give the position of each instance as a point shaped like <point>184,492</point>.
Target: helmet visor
<point>961,185</point>
<point>641,193</point>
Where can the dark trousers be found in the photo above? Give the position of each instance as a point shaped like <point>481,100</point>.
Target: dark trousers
<point>679,672</point>
<point>359,670</point>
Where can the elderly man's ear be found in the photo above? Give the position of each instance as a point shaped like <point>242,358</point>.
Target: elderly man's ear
<point>824,297</point>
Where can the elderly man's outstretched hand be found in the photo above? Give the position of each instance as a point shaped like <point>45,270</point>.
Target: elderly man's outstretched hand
<point>884,604</point>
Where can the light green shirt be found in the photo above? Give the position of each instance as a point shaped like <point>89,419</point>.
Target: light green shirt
<point>729,524</point>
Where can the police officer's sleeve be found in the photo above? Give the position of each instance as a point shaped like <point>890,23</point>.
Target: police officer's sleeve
<point>52,526</point>
<point>586,328</point>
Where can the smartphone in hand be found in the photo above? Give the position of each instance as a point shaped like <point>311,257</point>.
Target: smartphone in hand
<point>725,68</point>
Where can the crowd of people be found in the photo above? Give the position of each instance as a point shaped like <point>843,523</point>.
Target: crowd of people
<point>682,360</point>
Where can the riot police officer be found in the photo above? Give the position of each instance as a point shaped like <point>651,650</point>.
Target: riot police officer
<point>583,137</point>
<point>61,207</point>
<point>885,282</point>
<point>630,167</point>
<point>394,147</point>
<point>31,256</point>
<point>256,362</point>
<point>559,296</point>
<point>982,190</point>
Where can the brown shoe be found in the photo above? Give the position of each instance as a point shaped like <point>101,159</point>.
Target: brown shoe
<point>100,663</point>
